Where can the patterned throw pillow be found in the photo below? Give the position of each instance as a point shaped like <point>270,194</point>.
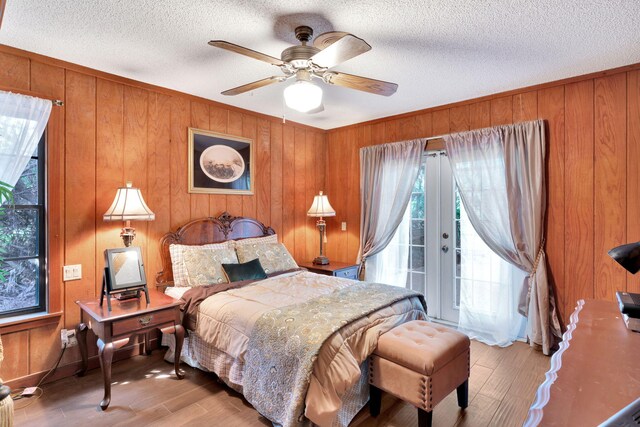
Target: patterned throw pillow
<point>274,257</point>
<point>177,260</point>
<point>204,265</point>
<point>255,240</point>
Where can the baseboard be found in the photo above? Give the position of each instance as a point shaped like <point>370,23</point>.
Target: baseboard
<point>70,369</point>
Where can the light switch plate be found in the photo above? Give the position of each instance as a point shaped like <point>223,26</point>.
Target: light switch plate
<point>72,272</point>
<point>344,226</point>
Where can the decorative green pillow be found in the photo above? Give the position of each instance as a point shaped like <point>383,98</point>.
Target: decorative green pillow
<point>204,265</point>
<point>250,270</point>
<point>274,257</point>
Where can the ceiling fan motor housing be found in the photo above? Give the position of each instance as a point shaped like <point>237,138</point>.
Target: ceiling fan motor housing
<point>298,56</point>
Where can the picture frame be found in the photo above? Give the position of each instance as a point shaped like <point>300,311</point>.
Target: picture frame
<point>220,163</point>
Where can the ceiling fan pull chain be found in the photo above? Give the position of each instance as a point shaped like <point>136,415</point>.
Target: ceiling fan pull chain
<point>284,119</point>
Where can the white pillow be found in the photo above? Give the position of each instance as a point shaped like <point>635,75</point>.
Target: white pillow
<point>255,240</point>
<point>177,260</point>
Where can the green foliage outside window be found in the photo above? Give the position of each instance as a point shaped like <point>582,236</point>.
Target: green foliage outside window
<point>6,198</point>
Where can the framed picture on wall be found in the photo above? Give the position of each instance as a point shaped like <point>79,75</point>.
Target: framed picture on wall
<point>220,164</point>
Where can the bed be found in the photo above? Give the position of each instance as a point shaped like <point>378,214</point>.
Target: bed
<point>295,344</point>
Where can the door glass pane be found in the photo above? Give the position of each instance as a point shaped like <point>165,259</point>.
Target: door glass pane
<point>417,206</point>
<point>417,232</point>
<point>417,282</point>
<point>417,258</point>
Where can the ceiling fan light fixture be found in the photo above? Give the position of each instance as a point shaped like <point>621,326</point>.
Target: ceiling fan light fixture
<point>303,96</point>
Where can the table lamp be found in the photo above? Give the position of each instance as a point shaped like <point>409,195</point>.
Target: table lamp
<point>128,206</point>
<point>321,208</point>
<point>627,256</point>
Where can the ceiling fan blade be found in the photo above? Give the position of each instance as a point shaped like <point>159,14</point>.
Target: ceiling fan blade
<point>253,85</point>
<point>345,48</point>
<point>246,52</point>
<point>3,3</point>
<point>365,84</point>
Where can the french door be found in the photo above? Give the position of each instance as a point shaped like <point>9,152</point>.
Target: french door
<point>435,241</point>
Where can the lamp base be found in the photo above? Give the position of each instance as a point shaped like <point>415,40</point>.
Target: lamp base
<point>128,234</point>
<point>321,260</point>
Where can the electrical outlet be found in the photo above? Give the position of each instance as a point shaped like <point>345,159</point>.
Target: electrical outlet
<point>344,226</point>
<point>72,272</point>
<point>68,337</point>
<point>64,339</point>
<point>71,336</point>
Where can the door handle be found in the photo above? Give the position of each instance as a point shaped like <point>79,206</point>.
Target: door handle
<point>445,249</point>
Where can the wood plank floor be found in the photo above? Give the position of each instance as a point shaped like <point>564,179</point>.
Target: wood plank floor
<point>146,392</point>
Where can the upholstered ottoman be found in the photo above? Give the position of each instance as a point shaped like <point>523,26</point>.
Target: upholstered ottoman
<point>421,363</point>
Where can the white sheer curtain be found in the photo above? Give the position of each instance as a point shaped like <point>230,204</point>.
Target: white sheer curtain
<point>390,265</point>
<point>489,291</point>
<point>387,175</point>
<point>22,122</point>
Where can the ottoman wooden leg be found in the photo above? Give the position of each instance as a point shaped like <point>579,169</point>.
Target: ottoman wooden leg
<point>375,400</point>
<point>424,418</point>
<point>463,394</point>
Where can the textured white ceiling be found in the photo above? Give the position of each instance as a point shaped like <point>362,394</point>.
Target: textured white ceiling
<point>438,51</point>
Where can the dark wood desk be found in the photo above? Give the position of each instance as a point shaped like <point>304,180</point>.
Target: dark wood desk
<point>126,319</point>
<point>594,374</point>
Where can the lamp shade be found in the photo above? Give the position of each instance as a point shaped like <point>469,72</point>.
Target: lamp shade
<point>627,256</point>
<point>321,206</point>
<point>128,206</point>
<point>303,96</point>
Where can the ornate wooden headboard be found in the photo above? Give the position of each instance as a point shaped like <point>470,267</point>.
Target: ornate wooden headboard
<point>208,230</point>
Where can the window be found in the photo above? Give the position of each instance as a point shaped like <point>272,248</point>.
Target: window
<point>23,242</point>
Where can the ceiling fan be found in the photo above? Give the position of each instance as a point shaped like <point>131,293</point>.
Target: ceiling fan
<point>305,63</point>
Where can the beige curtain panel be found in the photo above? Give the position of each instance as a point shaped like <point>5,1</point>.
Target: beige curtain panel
<point>510,162</point>
<point>387,175</point>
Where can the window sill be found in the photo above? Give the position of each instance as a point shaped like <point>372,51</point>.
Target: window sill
<point>28,321</point>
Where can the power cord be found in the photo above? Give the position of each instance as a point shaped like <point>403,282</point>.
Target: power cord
<point>17,394</point>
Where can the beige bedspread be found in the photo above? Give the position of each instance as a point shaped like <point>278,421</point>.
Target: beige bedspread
<point>226,321</point>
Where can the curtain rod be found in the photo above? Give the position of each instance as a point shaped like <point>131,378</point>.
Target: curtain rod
<point>56,102</point>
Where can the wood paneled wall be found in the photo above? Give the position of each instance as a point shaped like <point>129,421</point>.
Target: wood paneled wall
<point>593,182</point>
<point>113,130</point>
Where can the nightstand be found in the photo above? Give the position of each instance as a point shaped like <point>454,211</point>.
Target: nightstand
<point>337,269</point>
<point>127,319</point>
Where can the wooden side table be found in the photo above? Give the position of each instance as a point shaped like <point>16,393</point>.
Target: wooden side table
<point>337,269</point>
<point>126,319</point>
